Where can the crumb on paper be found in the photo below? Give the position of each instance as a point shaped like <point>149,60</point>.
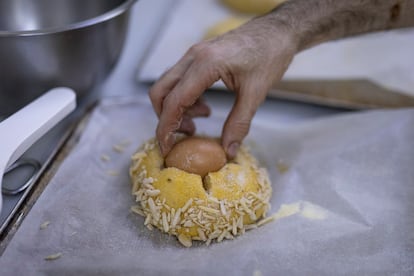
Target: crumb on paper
<point>53,257</point>
<point>125,142</point>
<point>105,158</point>
<point>285,210</point>
<point>118,148</point>
<point>282,167</point>
<point>303,208</point>
<point>112,173</point>
<point>257,273</point>
<point>44,225</point>
<point>311,211</point>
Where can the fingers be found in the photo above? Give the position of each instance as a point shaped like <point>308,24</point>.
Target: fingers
<point>167,82</point>
<point>175,96</point>
<point>199,109</point>
<point>187,125</point>
<point>238,122</point>
<point>183,98</point>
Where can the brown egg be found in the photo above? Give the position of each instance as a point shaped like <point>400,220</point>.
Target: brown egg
<point>198,155</point>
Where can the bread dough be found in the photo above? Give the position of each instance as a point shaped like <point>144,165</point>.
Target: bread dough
<point>225,26</point>
<point>253,6</point>
<point>226,204</point>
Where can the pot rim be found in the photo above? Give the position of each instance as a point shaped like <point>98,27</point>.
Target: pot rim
<point>77,25</point>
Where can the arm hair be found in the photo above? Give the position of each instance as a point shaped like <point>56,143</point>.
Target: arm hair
<point>316,21</point>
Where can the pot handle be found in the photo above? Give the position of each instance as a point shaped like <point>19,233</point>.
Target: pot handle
<point>22,129</point>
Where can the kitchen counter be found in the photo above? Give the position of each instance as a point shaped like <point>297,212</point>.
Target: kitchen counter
<point>347,180</point>
<point>146,20</point>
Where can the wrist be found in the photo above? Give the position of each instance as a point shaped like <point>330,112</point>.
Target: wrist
<point>277,33</point>
<point>306,23</point>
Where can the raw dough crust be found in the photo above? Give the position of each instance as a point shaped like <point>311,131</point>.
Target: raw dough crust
<point>225,26</point>
<point>253,6</point>
<point>228,202</point>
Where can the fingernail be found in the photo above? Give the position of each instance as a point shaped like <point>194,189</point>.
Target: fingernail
<point>232,149</point>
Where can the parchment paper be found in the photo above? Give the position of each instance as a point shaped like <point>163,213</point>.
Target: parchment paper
<point>343,187</point>
<point>385,58</point>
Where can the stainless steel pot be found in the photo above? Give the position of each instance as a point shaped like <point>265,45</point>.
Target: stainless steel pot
<point>49,43</point>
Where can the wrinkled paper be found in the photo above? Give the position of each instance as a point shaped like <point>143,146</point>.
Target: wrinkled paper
<point>343,195</point>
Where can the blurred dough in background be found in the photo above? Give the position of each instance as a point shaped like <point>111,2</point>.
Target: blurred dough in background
<point>248,7</point>
<point>253,6</point>
<point>225,26</point>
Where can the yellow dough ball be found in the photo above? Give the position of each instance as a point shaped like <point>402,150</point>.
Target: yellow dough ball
<point>253,6</point>
<point>221,205</point>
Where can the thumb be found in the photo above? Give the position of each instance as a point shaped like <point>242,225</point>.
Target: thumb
<point>238,122</point>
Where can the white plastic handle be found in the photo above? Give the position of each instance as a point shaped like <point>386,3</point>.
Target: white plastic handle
<point>25,127</point>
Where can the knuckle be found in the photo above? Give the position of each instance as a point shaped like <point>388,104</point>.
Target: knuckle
<point>235,131</point>
<point>203,51</point>
<point>196,48</point>
<point>207,53</point>
<point>184,102</point>
<point>170,101</point>
<point>155,92</point>
<point>241,127</point>
<point>180,102</point>
<point>174,111</point>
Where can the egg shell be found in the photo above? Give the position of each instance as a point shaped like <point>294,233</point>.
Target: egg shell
<point>198,155</point>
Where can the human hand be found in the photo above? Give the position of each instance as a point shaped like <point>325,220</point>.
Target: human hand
<point>248,60</point>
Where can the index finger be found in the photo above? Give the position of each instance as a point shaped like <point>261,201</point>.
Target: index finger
<point>195,81</point>
<point>167,82</point>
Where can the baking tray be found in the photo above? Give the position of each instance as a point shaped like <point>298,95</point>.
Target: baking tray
<point>344,179</point>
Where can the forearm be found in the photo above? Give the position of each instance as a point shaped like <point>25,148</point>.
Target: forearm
<point>315,21</point>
